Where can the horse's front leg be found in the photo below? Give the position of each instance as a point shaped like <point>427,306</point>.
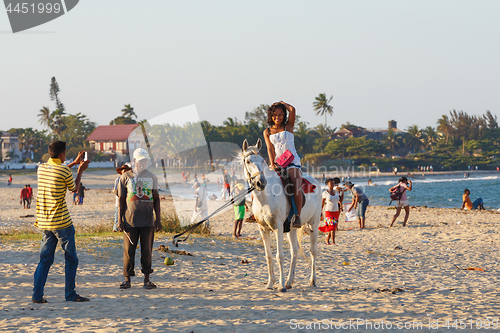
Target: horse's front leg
<point>314,251</point>
<point>280,257</point>
<point>266,239</point>
<point>294,249</point>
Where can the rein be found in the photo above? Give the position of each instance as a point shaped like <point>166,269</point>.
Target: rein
<point>240,196</point>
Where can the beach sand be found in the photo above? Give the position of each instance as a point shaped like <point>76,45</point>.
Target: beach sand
<point>394,275</point>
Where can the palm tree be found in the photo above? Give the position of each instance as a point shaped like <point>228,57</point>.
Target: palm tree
<point>444,126</point>
<point>415,139</point>
<point>322,106</point>
<point>45,117</point>
<point>58,125</point>
<point>54,94</point>
<point>392,140</point>
<point>430,136</point>
<point>319,136</point>
<point>230,122</point>
<point>128,112</point>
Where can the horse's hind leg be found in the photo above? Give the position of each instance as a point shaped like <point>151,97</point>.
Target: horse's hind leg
<point>314,251</point>
<point>294,249</point>
<point>266,239</point>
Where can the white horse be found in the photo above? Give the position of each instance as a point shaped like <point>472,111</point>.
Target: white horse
<point>271,207</point>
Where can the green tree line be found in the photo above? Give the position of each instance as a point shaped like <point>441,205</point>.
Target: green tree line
<point>459,139</point>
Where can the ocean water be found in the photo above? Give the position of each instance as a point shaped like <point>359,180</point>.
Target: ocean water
<point>441,191</point>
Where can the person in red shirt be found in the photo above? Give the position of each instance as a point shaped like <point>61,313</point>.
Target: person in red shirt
<point>25,197</point>
<point>30,192</point>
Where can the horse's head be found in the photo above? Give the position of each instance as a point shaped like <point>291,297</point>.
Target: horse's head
<point>254,164</point>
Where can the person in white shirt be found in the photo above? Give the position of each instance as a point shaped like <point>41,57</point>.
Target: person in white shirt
<point>330,202</point>
<point>201,205</point>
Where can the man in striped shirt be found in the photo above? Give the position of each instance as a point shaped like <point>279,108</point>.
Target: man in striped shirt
<point>52,217</point>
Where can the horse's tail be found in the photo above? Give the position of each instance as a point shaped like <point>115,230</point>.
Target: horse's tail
<point>300,232</point>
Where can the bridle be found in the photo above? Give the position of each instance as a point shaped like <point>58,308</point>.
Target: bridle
<point>251,176</point>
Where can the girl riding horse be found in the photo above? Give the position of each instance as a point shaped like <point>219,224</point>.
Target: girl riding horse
<point>279,138</point>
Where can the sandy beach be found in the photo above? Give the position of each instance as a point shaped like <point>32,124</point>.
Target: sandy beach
<point>409,275</point>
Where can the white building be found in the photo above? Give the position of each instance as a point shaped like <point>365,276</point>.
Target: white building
<point>9,144</point>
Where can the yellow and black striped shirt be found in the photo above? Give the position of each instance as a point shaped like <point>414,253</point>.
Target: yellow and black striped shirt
<point>54,180</point>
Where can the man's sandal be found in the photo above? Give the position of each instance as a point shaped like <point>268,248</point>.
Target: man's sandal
<point>43,300</point>
<point>149,285</point>
<point>79,298</point>
<point>125,285</point>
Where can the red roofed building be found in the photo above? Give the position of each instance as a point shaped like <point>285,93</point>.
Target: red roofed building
<point>113,140</point>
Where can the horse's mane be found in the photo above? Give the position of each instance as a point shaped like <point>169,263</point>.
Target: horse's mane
<point>250,149</point>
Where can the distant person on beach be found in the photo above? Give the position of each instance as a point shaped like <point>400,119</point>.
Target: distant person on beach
<point>9,182</point>
<point>360,202</point>
<point>239,208</point>
<point>52,217</point>
<point>121,170</point>
<point>200,205</point>
<point>233,178</point>
<point>468,204</point>
<point>81,194</point>
<point>140,218</point>
<point>227,186</point>
<point>25,197</point>
<point>340,190</point>
<point>402,186</point>
<point>330,204</point>
<point>30,193</point>
<point>223,194</point>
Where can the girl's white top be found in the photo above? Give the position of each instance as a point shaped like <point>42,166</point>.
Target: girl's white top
<point>331,201</point>
<point>282,141</point>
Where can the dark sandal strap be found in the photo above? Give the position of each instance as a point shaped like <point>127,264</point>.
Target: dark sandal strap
<point>150,285</point>
<point>43,300</point>
<point>79,298</point>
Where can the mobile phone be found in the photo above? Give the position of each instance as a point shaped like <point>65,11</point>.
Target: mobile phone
<point>85,157</point>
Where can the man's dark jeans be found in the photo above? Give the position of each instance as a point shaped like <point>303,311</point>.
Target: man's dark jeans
<point>48,247</point>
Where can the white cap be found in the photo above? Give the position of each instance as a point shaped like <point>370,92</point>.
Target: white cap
<point>140,154</point>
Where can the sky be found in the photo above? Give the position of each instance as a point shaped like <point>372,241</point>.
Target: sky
<point>411,61</point>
